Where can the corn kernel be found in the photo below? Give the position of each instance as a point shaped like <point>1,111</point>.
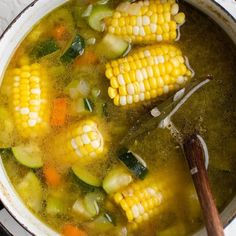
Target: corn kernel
<point>180,18</point>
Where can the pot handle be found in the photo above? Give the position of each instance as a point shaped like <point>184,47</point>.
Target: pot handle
<point>9,226</point>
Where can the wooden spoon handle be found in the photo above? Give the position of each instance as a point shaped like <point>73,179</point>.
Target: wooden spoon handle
<point>195,156</point>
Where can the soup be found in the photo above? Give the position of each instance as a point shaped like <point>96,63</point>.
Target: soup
<point>80,80</point>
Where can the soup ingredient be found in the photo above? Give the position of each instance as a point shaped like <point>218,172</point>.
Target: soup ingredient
<point>79,209</point>
<point>61,17</point>
<point>87,11</point>
<point>117,47</point>
<point>55,205</point>
<point>116,179</point>
<point>88,104</point>
<point>59,32</point>
<point>85,174</point>
<point>147,73</point>
<point>51,175</point>
<point>92,202</point>
<point>6,128</point>
<point>103,223</point>
<point>141,200</point>
<point>30,189</point>
<point>78,107</point>
<point>28,155</point>
<point>146,21</point>
<point>97,16</point>
<point>135,164</point>
<point>30,100</point>
<point>84,143</point>
<point>77,88</point>
<point>71,230</point>
<point>59,112</point>
<point>75,49</point>
<point>44,48</point>
<point>88,58</point>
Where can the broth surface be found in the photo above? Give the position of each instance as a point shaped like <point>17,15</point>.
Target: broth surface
<point>211,111</point>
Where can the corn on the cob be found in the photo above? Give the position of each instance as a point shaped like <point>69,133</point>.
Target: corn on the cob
<point>147,73</point>
<point>144,199</point>
<point>82,142</point>
<point>30,100</point>
<point>146,21</point>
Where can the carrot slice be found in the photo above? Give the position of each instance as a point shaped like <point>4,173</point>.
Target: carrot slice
<point>59,111</point>
<point>52,177</point>
<point>59,32</point>
<point>87,58</point>
<point>71,230</point>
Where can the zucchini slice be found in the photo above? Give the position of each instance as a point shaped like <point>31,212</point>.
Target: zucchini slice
<point>86,176</point>
<point>116,179</point>
<point>79,208</point>
<point>102,223</point>
<point>44,48</point>
<point>76,49</point>
<point>98,14</point>
<point>30,189</point>
<point>55,205</point>
<point>28,155</point>
<point>112,47</point>
<point>92,202</point>
<point>135,164</point>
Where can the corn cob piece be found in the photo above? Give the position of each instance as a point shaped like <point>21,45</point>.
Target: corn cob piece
<point>82,142</point>
<point>147,73</point>
<point>142,200</point>
<point>30,100</point>
<point>146,21</point>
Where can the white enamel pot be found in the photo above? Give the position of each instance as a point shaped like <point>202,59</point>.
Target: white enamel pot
<point>222,11</point>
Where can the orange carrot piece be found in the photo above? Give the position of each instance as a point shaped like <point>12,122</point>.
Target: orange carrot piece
<point>52,177</point>
<point>71,230</point>
<point>87,58</point>
<point>59,111</point>
<point>59,32</point>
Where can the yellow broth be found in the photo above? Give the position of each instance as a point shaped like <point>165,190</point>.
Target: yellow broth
<point>212,111</point>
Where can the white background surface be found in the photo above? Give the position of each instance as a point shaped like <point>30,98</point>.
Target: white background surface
<point>8,10</point>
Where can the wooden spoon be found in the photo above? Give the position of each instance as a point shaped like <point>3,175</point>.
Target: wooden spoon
<point>194,154</point>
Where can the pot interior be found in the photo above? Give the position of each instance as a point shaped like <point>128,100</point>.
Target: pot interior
<point>8,44</point>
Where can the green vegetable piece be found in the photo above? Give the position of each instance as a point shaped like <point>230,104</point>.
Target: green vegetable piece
<point>98,14</point>
<point>105,218</point>
<point>76,49</point>
<point>91,202</point>
<point>95,92</point>
<point>55,205</point>
<point>28,155</point>
<point>102,223</point>
<point>116,179</point>
<point>78,108</point>
<point>88,104</point>
<point>44,48</point>
<point>79,208</point>
<point>86,176</point>
<point>30,189</point>
<point>5,152</point>
<point>117,47</point>
<point>134,164</point>
<point>77,88</point>
<point>6,128</point>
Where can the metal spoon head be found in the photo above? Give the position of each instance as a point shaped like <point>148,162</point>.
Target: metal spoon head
<point>164,112</point>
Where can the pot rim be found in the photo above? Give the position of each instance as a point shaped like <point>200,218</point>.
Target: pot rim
<point>14,21</point>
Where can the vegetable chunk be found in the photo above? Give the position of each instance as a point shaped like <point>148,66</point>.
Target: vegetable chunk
<point>30,189</point>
